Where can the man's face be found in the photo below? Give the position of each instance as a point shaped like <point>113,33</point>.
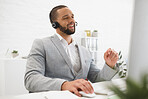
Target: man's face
<point>66,20</point>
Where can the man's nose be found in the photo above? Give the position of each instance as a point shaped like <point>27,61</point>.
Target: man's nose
<point>71,20</point>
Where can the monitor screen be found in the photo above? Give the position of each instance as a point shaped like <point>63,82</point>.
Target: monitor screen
<point>138,51</point>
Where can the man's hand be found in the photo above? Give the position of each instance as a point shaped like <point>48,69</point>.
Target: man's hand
<point>78,85</point>
<point>111,57</point>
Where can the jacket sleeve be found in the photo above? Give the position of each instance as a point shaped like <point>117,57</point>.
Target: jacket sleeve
<point>35,80</point>
<point>97,75</point>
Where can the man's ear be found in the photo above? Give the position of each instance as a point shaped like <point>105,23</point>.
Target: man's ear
<point>55,25</point>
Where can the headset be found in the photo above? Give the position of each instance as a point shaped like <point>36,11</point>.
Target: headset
<point>56,24</point>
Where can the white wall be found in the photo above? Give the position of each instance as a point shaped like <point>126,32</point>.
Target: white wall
<point>21,21</point>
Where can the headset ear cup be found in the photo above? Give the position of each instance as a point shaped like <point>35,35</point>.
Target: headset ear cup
<point>55,25</point>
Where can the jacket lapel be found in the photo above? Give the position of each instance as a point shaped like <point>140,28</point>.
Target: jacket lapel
<point>63,53</point>
<point>83,66</point>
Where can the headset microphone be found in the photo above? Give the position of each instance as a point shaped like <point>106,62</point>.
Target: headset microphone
<point>76,23</point>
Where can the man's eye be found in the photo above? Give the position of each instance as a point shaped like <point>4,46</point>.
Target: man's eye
<point>65,18</point>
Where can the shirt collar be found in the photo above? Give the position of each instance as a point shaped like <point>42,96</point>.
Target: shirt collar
<point>59,36</point>
<point>62,39</point>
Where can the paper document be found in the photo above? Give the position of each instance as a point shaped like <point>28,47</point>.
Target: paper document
<point>101,88</point>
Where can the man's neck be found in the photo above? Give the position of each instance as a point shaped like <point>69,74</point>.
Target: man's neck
<point>68,38</point>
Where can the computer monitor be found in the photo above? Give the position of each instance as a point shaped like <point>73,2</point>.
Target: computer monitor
<point>138,54</point>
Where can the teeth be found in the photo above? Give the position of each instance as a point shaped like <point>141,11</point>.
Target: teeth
<point>71,25</point>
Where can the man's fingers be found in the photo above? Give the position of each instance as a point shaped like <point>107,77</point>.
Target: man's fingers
<point>76,92</point>
<point>82,87</point>
<point>111,54</point>
<point>114,55</point>
<point>74,86</point>
<point>92,89</point>
<point>87,86</point>
<point>107,53</point>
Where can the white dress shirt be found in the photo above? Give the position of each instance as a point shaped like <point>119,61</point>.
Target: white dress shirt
<point>72,52</point>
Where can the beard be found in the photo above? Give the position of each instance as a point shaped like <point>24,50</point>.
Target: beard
<point>67,31</point>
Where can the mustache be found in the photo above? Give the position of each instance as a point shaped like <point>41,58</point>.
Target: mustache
<point>75,23</point>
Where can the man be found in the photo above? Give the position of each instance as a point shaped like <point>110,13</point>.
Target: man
<point>59,63</point>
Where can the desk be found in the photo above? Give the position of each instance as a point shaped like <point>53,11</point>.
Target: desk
<point>100,87</point>
<point>51,95</point>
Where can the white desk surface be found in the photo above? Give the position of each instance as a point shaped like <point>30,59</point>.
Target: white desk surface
<point>98,87</point>
<point>52,95</point>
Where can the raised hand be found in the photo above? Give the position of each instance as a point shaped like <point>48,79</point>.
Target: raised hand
<point>111,57</point>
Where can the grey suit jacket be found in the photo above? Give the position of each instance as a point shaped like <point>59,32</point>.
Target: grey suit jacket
<point>48,66</point>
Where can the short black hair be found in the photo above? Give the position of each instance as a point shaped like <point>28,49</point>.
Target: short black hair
<point>53,12</point>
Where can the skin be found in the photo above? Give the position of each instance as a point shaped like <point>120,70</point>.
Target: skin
<point>66,19</point>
